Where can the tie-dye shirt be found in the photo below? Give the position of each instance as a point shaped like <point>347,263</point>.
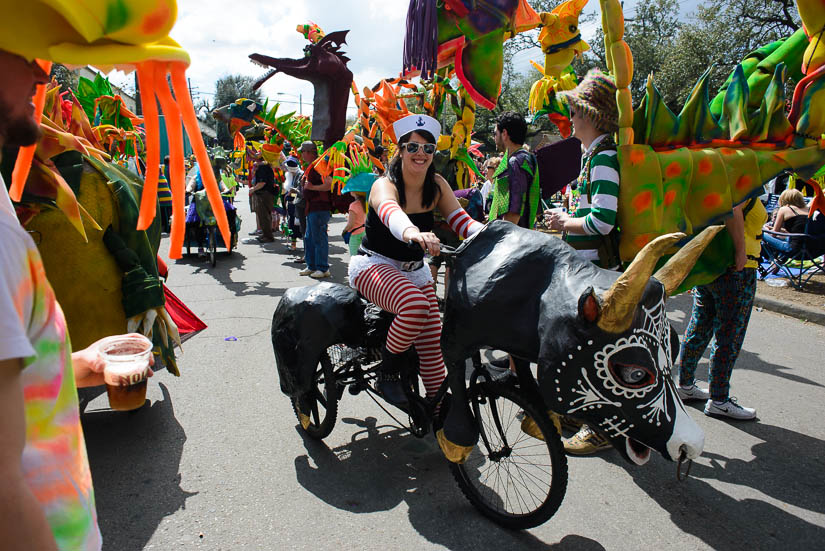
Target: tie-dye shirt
<point>32,327</point>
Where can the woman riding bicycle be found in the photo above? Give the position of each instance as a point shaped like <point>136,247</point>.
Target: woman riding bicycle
<point>393,275</point>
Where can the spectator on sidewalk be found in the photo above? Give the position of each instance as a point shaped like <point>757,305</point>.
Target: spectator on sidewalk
<point>291,187</point>
<point>318,198</point>
<point>165,196</point>
<point>487,188</point>
<point>263,198</point>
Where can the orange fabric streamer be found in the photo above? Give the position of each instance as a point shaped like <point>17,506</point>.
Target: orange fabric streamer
<point>818,203</point>
<point>23,164</point>
<point>148,201</point>
<point>176,168</point>
<point>190,122</point>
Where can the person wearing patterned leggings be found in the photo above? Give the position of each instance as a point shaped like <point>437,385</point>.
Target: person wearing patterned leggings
<point>389,270</point>
<point>721,310</point>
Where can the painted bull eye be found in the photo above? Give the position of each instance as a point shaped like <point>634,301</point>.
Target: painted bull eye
<point>571,28</point>
<point>632,375</point>
<point>627,367</point>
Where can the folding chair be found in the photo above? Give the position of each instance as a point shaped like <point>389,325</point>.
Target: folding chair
<point>805,257</point>
<point>771,204</point>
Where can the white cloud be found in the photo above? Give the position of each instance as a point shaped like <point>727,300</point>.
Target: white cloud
<point>220,35</point>
<point>219,40</point>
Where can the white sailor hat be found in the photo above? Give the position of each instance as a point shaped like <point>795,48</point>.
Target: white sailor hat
<point>410,123</point>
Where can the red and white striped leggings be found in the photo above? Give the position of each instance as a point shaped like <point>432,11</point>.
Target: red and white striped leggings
<point>417,318</point>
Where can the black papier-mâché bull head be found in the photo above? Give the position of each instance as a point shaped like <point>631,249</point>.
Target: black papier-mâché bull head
<point>601,338</point>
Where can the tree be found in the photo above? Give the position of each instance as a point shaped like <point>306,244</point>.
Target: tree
<point>650,32</point>
<point>228,89</point>
<point>65,77</point>
<point>722,33</point>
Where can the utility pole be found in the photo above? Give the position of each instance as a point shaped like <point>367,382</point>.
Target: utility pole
<point>300,104</point>
<point>139,105</point>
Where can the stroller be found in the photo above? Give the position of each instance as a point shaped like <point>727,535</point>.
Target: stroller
<point>202,227</point>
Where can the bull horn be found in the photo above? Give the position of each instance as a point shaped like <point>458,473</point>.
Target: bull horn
<point>619,302</point>
<point>674,272</point>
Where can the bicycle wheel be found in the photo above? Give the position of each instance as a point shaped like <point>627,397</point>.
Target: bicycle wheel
<point>512,478</point>
<point>213,246</point>
<point>317,410</point>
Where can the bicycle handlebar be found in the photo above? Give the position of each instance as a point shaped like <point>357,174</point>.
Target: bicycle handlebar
<point>445,249</point>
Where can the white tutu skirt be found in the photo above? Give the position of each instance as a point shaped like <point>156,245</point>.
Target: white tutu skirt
<point>361,262</point>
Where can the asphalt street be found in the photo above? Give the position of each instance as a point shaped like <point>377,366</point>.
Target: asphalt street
<point>216,460</point>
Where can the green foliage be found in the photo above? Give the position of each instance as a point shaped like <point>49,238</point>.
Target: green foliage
<point>679,49</point>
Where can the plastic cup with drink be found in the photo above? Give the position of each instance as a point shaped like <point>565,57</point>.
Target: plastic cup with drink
<point>127,360</point>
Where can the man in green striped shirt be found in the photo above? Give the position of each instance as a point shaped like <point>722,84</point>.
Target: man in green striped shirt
<point>591,230</point>
<point>594,116</point>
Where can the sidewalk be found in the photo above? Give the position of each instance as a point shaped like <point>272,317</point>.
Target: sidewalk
<point>807,307</point>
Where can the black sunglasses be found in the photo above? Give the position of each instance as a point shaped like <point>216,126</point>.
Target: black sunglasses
<point>412,147</point>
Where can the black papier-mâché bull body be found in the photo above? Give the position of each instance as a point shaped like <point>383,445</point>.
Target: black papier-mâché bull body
<point>601,339</point>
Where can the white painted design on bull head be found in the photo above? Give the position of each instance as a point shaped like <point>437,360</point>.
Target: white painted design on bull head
<point>632,382</point>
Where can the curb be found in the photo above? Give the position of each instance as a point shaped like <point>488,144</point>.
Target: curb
<point>803,313</point>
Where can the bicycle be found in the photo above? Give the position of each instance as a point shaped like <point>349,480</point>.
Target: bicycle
<point>516,480</point>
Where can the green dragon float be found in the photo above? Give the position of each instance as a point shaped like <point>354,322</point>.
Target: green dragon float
<point>685,172</point>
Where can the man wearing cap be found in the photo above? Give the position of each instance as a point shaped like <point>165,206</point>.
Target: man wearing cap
<point>515,190</point>
<point>592,231</point>
<point>318,199</point>
<point>46,496</point>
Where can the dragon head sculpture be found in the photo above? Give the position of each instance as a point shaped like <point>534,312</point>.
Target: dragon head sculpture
<point>325,66</point>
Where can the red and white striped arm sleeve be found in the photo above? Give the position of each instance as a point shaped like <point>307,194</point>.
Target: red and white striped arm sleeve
<point>462,223</point>
<point>390,213</point>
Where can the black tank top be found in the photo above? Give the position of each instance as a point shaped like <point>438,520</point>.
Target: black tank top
<point>796,223</point>
<point>377,237</point>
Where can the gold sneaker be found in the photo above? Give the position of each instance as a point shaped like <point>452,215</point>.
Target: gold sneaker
<point>529,426</point>
<point>585,442</point>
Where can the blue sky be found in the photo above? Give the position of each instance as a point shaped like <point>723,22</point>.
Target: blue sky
<point>219,36</point>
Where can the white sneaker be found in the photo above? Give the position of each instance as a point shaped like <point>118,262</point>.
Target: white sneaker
<point>729,408</point>
<point>692,392</point>
<point>318,274</point>
<point>305,271</point>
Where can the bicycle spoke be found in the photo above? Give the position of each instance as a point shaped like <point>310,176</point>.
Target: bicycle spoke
<point>519,494</point>
<point>536,500</point>
<point>513,481</point>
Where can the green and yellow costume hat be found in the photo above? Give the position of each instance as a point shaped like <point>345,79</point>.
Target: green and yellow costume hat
<point>127,35</point>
